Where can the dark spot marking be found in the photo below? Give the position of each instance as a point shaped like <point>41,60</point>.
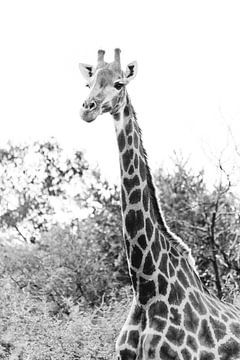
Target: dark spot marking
<point>127,158</point>
<point>135,196</point>
<point>159,308</point>
<point>171,269</point>
<point>229,350</point>
<point>123,199</point>
<point>205,336</point>
<point>145,198</point>
<point>142,169</point>
<point>175,335</point>
<point>192,343</point>
<point>136,257</point>
<point>136,161</point>
<point>175,316</point>
<point>129,127</point>
<point>131,183</point>
<point>174,252</point>
<point>235,329</point>
<point>191,320</point>
<point>127,354</point>
<point>134,221</point>
<point>146,290</point>
<point>131,170</point>
<point>152,346</point>
<point>121,141</point>
<point>163,264</point>
<point>156,247</point>
<point>182,278</point>
<point>149,266</point>
<point>127,246</point>
<point>123,338</point>
<point>126,111</point>
<point>142,241</point>
<point>218,327</point>
<point>136,315</point>
<point>130,140</point>
<point>135,140</point>
<point>176,294</point>
<point>225,318</point>
<point>186,354</point>
<point>167,243</point>
<point>166,353</point>
<point>149,228</point>
<point>143,320</point>
<point>133,338</point>
<point>162,285</point>
<point>205,355</point>
<point>116,116</point>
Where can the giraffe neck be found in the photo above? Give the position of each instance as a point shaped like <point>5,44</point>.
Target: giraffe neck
<point>134,166</point>
<point>144,227</point>
<point>153,252</point>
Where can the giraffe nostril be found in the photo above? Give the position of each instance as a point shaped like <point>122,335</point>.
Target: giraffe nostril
<point>92,105</point>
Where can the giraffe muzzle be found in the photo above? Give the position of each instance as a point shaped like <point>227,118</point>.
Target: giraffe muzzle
<point>90,110</point>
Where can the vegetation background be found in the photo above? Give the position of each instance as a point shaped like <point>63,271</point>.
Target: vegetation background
<point>65,288</point>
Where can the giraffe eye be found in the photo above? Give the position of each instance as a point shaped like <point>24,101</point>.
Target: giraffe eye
<point>118,85</point>
<point>87,85</point>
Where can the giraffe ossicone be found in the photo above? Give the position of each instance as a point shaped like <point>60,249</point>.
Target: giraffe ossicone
<point>172,317</point>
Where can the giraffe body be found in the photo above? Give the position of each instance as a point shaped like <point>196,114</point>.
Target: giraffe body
<point>173,317</point>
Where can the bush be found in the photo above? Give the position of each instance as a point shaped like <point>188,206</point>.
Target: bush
<point>63,266</point>
<point>28,331</point>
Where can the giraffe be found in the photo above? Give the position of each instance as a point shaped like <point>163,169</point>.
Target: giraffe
<point>173,316</point>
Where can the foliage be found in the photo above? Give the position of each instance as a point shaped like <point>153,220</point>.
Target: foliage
<point>28,330</point>
<point>31,175</point>
<point>64,266</point>
<point>208,221</point>
<point>105,225</point>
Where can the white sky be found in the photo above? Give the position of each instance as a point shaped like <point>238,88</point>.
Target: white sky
<point>186,93</point>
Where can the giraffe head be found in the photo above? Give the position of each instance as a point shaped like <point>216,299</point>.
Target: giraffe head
<point>107,83</point>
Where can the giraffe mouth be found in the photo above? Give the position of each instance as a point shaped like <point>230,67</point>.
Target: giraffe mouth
<point>89,115</point>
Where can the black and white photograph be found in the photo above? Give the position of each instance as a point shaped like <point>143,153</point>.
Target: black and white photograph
<point>120,180</point>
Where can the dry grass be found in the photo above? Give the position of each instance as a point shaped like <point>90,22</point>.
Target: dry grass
<point>28,331</point>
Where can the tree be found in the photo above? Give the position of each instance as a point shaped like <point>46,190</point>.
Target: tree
<point>31,176</point>
<point>207,221</point>
<point>104,225</point>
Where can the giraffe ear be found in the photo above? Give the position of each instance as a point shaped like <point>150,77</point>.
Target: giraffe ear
<point>86,71</point>
<point>131,71</point>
